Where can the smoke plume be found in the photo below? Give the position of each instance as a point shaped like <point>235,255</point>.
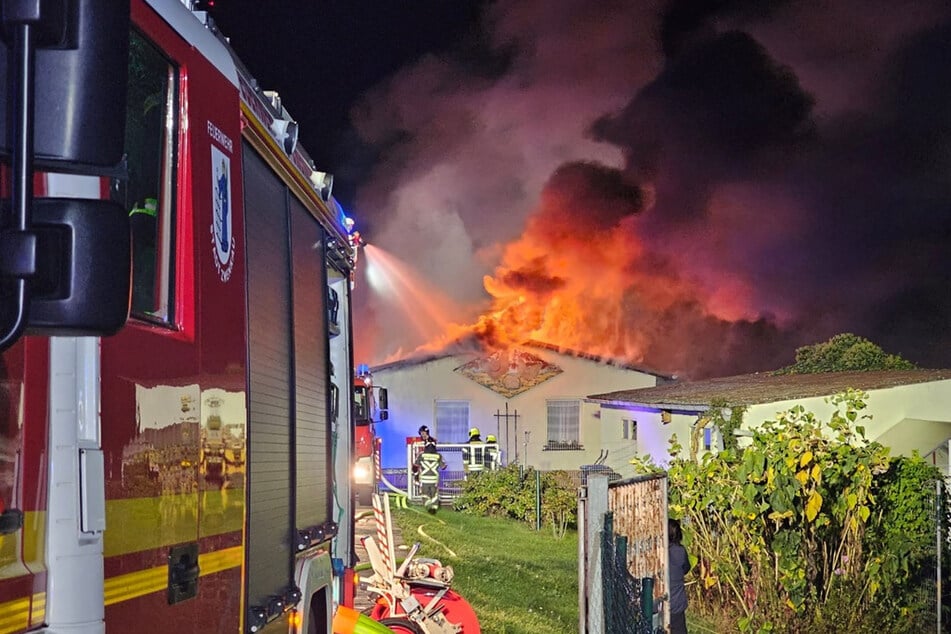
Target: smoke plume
<point>697,190</point>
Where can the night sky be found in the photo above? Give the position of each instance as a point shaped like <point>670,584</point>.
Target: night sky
<point>322,56</point>
<point>698,187</point>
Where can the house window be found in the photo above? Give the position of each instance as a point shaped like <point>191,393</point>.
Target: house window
<point>709,439</point>
<point>148,192</point>
<point>452,421</point>
<point>629,431</point>
<point>563,425</point>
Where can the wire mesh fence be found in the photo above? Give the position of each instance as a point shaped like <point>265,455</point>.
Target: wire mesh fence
<point>628,600</point>
<point>622,575</point>
<point>927,592</point>
<point>451,480</point>
<point>930,582</point>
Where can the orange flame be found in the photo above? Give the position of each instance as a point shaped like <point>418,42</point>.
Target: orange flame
<point>583,277</point>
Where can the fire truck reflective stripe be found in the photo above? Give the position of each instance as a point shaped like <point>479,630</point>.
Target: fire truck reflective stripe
<point>137,584</point>
<point>130,521</point>
<point>16,615</point>
<point>22,553</point>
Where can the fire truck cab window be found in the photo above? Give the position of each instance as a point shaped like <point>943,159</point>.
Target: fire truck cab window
<point>361,408</point>
<point>148,191</point>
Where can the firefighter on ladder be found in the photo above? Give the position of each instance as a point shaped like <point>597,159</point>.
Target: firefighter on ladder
<point>428,465</point>
<point>473,456</point>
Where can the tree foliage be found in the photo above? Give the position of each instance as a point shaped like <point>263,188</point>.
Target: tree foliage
<point>842,353</point>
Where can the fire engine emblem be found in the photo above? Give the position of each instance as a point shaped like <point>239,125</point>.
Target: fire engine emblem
<point>222,234</point>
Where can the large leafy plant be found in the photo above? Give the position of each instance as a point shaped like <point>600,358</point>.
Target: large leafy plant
<point>808,527</point>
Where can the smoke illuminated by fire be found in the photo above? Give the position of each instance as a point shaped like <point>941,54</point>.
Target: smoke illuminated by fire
<point>698,189</point>
<point>579,278</point>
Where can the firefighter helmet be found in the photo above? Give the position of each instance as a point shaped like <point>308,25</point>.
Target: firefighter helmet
<point>473,432</point>
<point>490,438</point>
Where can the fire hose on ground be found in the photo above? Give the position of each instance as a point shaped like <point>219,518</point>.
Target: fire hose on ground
<point>414,596</point>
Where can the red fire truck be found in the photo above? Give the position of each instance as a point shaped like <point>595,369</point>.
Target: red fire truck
<point>370,406</point>
<point>183,465</point>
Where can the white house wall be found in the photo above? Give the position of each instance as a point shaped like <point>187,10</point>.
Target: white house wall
<point>891,409</point>
<point>652,436</point>
<point>414,390</point>
<point>887,408</point>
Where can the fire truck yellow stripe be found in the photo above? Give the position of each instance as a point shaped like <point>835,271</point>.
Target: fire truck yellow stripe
<point>137,524</point>
<point>142,582</point>
<point>219,560</point>
<point>16,615</point>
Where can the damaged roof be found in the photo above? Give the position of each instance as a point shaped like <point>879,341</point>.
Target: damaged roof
<point>753,389</point>
<point>471,347</point>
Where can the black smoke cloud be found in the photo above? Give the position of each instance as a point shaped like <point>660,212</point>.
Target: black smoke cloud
<point>724,97</point>
<point>588,197</point>
<point>870,187</point>
<point>865,249</point>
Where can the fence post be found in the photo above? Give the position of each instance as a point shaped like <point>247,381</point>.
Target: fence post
<point>609,586</point>
<point>538,500</point>
<point>597,506</point>
<point>647,600</point>
<point>940,519</point>
<point>582,557</point>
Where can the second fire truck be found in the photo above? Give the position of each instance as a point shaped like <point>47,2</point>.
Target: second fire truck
<point>370,407</point>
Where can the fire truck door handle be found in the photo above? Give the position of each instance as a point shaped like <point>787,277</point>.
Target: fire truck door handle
<point>183,572</point>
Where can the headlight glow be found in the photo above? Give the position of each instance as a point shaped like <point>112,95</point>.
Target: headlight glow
<point>361,472</point>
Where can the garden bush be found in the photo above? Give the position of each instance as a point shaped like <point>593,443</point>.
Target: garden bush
<point>511,492</point>
<point>809,528</point>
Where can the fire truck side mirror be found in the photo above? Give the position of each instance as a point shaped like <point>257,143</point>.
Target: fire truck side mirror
<point>64,265</point>
<point>384,404</point>
<point>83,279</point>
<point>81,78</point>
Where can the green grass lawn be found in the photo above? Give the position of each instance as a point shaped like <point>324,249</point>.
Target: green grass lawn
<point>518,581</point>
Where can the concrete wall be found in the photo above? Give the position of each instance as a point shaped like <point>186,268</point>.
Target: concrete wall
<point>414,389</point>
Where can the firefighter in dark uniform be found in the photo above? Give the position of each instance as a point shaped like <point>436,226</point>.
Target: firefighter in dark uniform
<point>422,439</point>
<point>424,436</point>
<point>473,456</point>
<point>428,464</point>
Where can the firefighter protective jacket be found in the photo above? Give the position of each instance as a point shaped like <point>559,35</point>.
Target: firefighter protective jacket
<point>429,465</point>
<point>473,456</point>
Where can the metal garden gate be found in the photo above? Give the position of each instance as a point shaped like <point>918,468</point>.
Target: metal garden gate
<point>622,562</point>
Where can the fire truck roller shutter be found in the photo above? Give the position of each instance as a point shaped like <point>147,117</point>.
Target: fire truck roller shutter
<point>270,555</point>
<point>312,477</point>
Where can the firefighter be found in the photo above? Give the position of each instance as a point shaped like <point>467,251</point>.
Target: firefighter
<point>473,456</point>
<point>492,458</point>
<point>428,464</point>
<point>419,443</point>
<point>424,436</point>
